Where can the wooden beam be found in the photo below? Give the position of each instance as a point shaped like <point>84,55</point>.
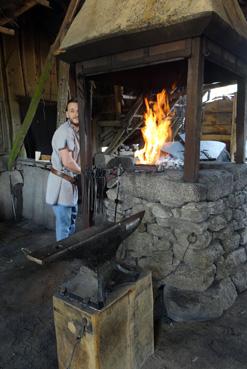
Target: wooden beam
<point>193,111</point>
<point>7,31</point>
<point>241,121</point>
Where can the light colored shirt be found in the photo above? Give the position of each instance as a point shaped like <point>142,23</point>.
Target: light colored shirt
<point>60,191</point>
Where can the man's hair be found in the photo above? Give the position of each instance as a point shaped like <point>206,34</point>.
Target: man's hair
<point>74,100</point>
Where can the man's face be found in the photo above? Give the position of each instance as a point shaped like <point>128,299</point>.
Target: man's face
<point>72,113</point>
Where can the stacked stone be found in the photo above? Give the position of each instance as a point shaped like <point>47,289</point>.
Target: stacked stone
<point>193,236</point>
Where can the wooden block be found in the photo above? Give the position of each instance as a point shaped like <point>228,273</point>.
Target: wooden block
<point>118,336</point>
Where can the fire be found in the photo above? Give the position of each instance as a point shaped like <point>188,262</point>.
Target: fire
<point>157,129</point>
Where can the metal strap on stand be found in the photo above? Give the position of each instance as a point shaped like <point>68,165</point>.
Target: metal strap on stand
<point>96,180</point>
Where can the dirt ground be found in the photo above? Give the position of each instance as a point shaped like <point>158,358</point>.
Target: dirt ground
<point>27,338</point>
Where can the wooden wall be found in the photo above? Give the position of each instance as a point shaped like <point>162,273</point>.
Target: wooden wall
<point>218,119</point>
<point>21,59</point>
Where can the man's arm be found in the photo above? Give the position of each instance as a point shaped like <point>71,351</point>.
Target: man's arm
<point>68,161</point>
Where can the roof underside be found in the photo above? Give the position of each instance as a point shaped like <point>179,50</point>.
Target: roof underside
<point>103,28</point>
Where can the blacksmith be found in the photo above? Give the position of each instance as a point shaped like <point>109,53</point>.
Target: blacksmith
<point>62,191</point>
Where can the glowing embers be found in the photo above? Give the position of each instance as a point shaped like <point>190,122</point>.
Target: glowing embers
<point>157,129</point>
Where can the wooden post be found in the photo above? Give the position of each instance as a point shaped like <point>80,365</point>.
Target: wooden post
<point>241,121</point>
<point>85,141</point>
<point>5,113</point>
<point>63,91</point>
<point>193,111</point>
<point>117,100</point>
<point>233,130</point>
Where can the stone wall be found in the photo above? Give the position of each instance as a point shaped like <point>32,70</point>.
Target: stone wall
<point>193,236</point>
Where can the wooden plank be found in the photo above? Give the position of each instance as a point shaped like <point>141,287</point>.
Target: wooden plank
<point>168,47</point>
<point>219,118</point>
<point>217,129</point>
<point>51,87</point>
<point>215,137</point>
<point>241,121</point>
<point>193,112</point>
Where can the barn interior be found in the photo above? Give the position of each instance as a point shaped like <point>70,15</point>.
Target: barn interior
<point>156,273</point>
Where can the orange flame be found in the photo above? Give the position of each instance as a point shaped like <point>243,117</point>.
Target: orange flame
<point>157,129</point>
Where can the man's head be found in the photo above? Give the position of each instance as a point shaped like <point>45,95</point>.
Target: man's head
<point>72,111</point>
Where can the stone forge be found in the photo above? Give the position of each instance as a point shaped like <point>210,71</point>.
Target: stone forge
<point>193,236</point>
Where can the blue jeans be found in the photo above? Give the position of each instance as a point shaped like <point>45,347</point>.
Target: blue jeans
<point>65,220</point>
